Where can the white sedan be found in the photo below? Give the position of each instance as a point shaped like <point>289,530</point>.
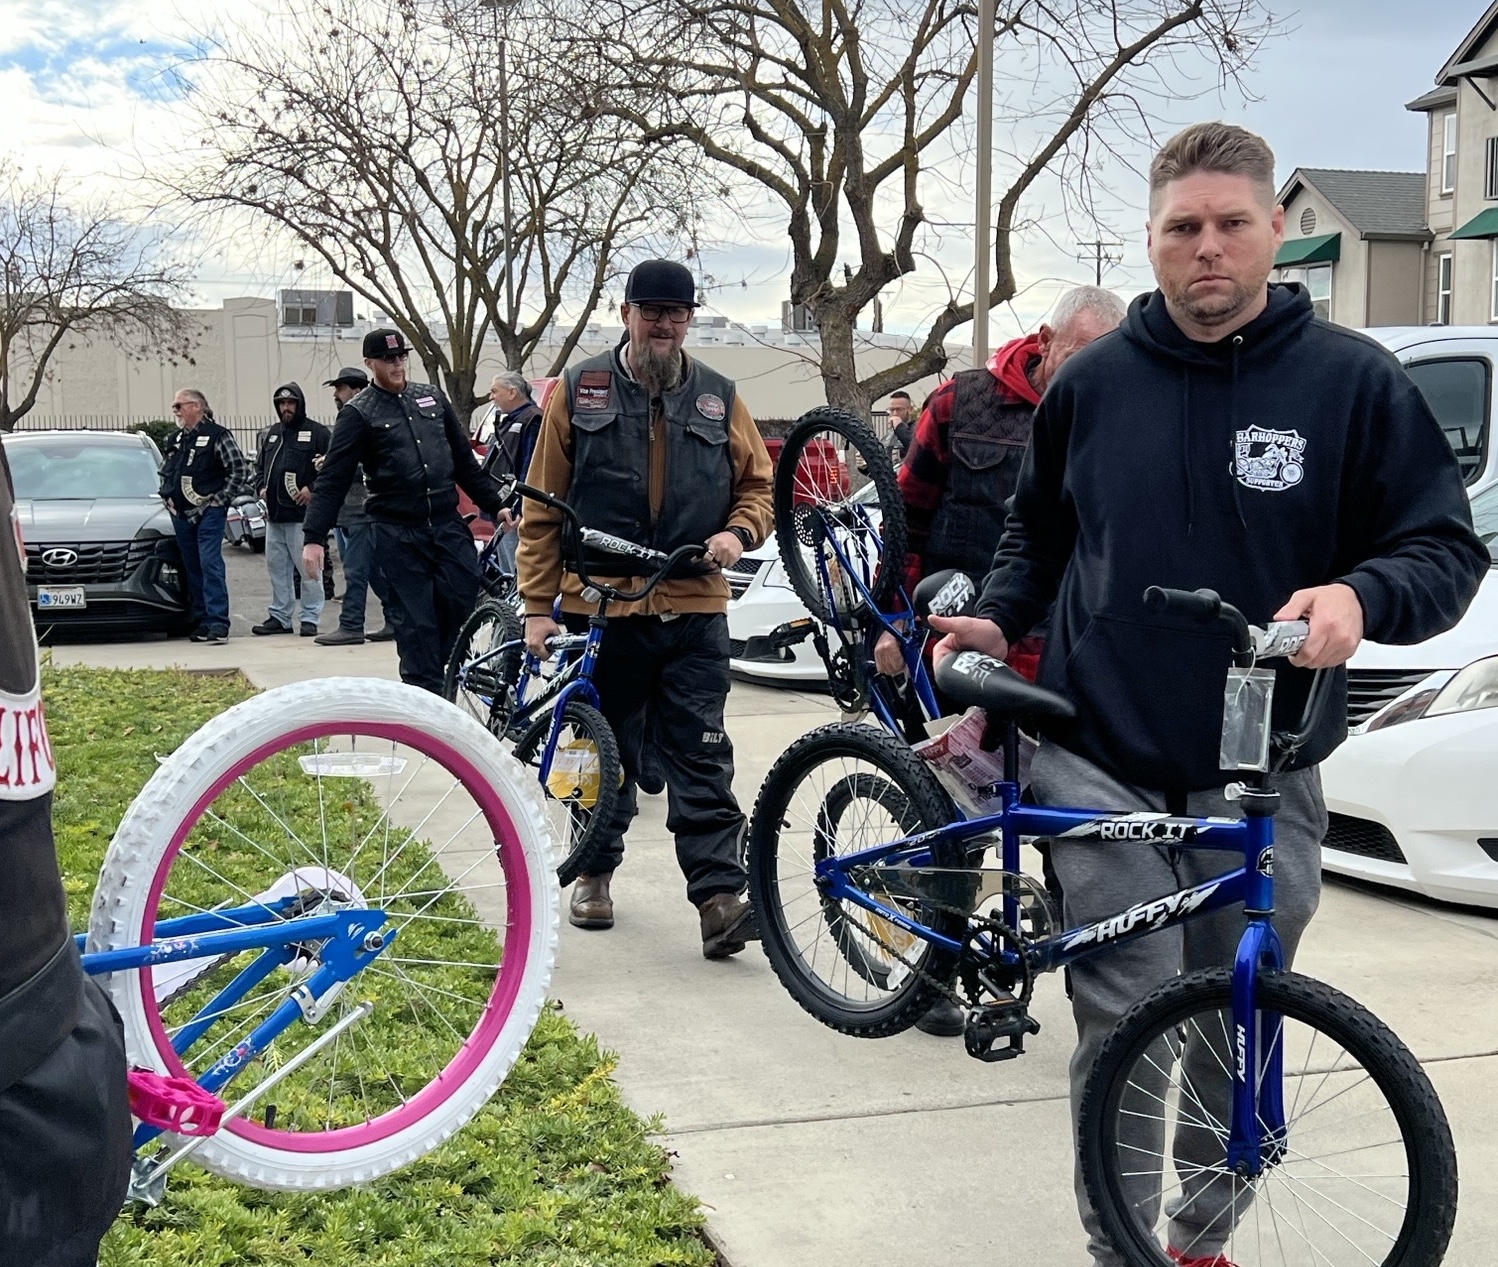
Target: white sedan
<point>1412,793</point>
<point>764,600</point>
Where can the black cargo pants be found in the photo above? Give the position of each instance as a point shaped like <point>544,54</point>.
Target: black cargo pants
<point>64,1118</point>
<point>432,575</point>
<point>676,669</point>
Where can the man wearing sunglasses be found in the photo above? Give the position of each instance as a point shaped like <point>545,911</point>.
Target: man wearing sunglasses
<point>651,445</point>
<point>415,456</point>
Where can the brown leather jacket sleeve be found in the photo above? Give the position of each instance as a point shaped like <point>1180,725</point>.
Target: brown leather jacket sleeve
<point>538,561</point>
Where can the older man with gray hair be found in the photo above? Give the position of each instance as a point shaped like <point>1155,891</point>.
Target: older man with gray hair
<point>962,466</point>
<point>516,422</point>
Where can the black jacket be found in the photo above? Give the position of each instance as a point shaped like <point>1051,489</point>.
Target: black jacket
<point>1292,454</point>
<point>415,455</point>
<point>515,435</point>
<point>283,462</point>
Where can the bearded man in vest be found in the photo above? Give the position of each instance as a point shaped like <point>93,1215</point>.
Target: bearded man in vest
<point>651,445</point>
<point>962,466</point>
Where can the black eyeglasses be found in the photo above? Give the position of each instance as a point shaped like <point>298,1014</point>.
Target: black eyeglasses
<point>391,358</point>
<point>679,314</point>
<point>178,407</point>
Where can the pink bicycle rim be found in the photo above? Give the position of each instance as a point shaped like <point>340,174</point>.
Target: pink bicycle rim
<point>506,986</point>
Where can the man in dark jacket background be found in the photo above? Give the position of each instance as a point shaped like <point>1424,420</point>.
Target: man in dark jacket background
<point>285,469</point>
<point>1227,438</point>
<point>517,423</point>
<point>415,454</point>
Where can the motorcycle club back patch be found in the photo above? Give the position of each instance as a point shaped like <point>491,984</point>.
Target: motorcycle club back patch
<point>710,406</point>
<point>593,390</point>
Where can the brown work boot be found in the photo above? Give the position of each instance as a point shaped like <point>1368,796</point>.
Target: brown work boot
<point>727,924</point>
<point>592,907</point>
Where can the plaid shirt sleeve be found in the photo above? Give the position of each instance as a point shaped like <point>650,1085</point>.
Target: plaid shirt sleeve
<point>241,473</point>
<point>923,478</point>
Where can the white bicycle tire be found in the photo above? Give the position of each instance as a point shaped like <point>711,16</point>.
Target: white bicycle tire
<point>177,786</point>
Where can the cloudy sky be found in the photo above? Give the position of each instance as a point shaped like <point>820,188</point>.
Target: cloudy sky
<point>85,87</point>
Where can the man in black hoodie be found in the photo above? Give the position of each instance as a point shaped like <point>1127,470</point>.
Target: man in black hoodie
<point>284,472</point>
<point>1223,437</point>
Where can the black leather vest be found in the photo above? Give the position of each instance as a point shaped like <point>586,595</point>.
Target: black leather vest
<point>986,443</point>
<point>611,425</point>
<point>193,471</point>
<point>408,459</point>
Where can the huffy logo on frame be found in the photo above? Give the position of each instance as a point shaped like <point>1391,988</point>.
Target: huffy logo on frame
<point>1270,461</point>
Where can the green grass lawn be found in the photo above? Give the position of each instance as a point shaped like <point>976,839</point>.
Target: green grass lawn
<point>556,1170</point>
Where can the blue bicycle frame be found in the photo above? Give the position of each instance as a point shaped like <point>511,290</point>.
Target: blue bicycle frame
<point>1258,1111</point>
<point>350,940</point>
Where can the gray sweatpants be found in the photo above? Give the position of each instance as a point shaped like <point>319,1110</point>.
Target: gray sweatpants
<point>1101,879</point>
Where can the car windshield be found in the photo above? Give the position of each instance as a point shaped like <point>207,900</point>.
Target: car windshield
<point>1485,518</point>
<point>66,469</point>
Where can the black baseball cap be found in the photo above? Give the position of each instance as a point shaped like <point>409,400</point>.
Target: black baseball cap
<point>661,282</point>
<point>349,376</point>
<point>384,341</point>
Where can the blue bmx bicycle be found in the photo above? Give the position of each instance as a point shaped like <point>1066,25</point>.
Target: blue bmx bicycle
<point>1235,1117</point>
<point>548,708</point>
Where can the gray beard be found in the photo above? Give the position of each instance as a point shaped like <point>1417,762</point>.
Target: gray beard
<point>656,374</point>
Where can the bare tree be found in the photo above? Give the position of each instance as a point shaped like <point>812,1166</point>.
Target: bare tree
<point>843,110</point>
<point>71,269</point>
<point>369,131</point>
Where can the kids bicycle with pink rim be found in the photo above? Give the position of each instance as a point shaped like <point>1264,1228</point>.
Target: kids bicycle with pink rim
<point>334,905</point>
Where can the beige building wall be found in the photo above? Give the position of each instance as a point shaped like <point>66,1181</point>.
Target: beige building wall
<point>1394,273</point>
<point>241,357</point>
<point>1349,292</point>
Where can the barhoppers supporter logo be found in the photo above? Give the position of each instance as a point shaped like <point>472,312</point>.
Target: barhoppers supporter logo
<point>27,769</point>
<point>1271,461</point>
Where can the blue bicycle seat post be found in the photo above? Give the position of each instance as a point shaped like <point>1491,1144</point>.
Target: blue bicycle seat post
<point>1258,1099</point>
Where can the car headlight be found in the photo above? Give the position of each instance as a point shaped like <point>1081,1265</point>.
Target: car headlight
<point>1465,691</point>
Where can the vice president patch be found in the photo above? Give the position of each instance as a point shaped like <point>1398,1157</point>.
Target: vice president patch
<point>593,387</point>
<point>710,406</point>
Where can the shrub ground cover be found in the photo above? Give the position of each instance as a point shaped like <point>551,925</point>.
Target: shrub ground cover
<point>555,1170</point>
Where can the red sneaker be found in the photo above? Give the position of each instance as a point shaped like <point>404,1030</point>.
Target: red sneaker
<point>1216,1260</point>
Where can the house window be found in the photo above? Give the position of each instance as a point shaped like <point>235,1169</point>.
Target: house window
<point>1490,171</point>
<point>1317,279</point>
<point>1448,155</point>
<point>1443,289</point>
<point>1493,315</point>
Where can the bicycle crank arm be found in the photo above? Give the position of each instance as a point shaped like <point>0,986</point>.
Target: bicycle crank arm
<point>148,1174</point>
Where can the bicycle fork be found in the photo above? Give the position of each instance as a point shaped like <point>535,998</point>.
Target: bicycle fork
<point>1257,1136</point>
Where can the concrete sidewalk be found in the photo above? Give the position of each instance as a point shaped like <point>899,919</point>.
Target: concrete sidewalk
<point>814,1150</point>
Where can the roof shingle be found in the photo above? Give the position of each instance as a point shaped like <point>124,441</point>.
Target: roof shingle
<point>1377,203</point>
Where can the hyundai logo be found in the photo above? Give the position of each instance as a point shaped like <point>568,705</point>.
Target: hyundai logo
<point>61,557</point>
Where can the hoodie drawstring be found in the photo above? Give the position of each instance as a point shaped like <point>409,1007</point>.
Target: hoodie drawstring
<point>1237,343</point>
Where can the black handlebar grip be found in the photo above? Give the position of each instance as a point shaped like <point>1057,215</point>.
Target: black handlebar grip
<point>1203,604</point>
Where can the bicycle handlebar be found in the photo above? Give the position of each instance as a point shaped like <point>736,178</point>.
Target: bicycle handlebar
<point>1250,642</point>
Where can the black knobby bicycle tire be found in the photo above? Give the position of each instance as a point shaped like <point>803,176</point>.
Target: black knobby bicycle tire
<point>875,458</point>
<point>505,670</point>
<point>580,852</point>
<point>927,801</point>
<point>1430,1152</point>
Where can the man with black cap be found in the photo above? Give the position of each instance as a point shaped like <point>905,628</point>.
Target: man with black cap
<point>361,571</point>
<point>415,454</point>
<point>285,469</point>
<point>653,446</point>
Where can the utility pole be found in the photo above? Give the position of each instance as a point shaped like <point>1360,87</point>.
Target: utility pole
<point>983,210</point>
<point>1100,253</point>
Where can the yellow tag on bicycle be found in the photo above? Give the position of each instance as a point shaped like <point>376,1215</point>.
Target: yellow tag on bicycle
<point>575,773</point>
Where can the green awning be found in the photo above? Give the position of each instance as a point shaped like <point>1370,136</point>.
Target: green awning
<point>1321,249</point>
<point>1483,225</point>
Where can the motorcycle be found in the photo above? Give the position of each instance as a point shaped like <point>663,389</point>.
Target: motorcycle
<point>245,524</point>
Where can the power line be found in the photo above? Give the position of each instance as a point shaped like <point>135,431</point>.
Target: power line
<point>1101,253</point>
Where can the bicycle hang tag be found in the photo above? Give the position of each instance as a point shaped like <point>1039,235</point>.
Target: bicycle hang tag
<point>1247,702</point>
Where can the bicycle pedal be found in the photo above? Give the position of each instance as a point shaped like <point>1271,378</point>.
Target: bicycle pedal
<point>175,1103</point>
<point>993,1023</point>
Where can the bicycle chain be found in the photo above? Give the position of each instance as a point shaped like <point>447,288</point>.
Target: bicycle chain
<point>991,922</point>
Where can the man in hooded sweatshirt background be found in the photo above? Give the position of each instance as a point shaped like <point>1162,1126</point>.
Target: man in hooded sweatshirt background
<point>285,469</point>
<point>1223,437</point>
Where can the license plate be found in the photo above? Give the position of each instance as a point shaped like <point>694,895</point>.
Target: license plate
<point>60,596</point>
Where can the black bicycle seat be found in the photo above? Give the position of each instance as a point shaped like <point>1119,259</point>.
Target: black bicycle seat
<point>970,677</point>
<point>945,593</point>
